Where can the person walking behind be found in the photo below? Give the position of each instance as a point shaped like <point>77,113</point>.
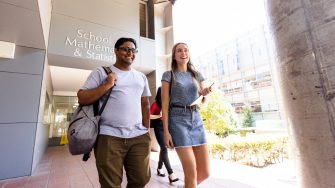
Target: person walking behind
<point>124,140</point>
<point>157,124</point>
<point>183,125</point>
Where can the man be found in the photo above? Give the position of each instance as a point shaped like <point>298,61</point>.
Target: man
<point>124,140</point>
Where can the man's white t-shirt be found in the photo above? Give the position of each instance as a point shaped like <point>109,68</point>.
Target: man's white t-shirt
<point>122,116</point>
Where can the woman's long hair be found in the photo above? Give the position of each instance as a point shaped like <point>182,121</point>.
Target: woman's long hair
<point>174,64</point>
<point>158,98</point>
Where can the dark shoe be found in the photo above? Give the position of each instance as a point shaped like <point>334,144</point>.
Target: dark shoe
<point>173,178</point>
<point>160,172</point>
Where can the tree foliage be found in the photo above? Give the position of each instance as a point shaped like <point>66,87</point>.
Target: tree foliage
<point>219,117</point>
<point>248,120</point>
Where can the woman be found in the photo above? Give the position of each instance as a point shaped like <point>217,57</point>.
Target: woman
<point>183,126</point>
<point>156,123</point>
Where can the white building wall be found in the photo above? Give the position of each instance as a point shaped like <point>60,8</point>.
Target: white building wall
<point>20,83</point>
<point>242,69</point>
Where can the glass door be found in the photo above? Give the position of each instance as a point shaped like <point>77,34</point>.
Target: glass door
<point>64,107</point>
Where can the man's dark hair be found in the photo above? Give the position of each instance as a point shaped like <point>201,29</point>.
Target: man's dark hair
<point>120,41</point>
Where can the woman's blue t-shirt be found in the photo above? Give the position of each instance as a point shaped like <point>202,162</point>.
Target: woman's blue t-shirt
<point>185,88</point>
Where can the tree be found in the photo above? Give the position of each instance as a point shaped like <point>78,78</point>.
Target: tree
<point>248,120</point>
<point>219,116</point>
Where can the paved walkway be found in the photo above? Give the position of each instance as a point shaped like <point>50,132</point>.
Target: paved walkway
<point>232,175</point>
<point>59,169</point>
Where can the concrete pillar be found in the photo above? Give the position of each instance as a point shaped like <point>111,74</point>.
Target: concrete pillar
<point>304,34</point>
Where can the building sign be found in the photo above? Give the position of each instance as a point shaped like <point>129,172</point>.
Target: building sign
<point>91,46</point>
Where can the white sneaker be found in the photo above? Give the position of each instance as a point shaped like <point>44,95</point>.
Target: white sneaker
<point>173,178</point>
<point>160,172</point>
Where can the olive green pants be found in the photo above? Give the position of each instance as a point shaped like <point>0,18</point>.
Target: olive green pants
<point>113,153</point>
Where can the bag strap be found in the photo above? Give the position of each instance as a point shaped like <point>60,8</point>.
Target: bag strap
<point>87,155</point>
<point>108,71</point>
<point>170,88</point>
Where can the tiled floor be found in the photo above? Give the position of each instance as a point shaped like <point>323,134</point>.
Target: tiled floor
<point>59,169</point>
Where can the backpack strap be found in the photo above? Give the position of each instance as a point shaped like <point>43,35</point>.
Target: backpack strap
<point>86,156</point>
<point>108,71</point>
<point>171,80</point>
<point>170,88</point>
<point>96,109</point>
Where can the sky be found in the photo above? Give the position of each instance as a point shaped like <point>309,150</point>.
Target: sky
<point>204,25</point>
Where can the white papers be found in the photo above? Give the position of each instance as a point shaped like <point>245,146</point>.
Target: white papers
<point>197,101</point>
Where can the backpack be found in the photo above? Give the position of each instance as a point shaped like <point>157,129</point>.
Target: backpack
<point>84,126</point>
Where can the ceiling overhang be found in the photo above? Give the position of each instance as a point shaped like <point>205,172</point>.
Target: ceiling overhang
<point>20,23</point>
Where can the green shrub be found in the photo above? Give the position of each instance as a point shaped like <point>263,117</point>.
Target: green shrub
<point>253,153</point>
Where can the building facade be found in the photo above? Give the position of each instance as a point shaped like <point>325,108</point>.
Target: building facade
<point>243,69</point>
<point>55,38</point>
<point>57,43</point>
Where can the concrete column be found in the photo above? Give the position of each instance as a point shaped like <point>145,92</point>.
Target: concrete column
<point>304,34</point>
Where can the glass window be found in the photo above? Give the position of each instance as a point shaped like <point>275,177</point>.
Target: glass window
<point>221,67</point>
<point>47,110</point>
<point>255,106</point>
<point>143,19</point>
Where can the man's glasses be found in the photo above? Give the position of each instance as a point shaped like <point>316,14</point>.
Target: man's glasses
<point>128,50</point>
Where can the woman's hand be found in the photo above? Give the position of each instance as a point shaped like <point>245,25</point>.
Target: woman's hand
<point>168,140</point>
<point>206,91</point>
